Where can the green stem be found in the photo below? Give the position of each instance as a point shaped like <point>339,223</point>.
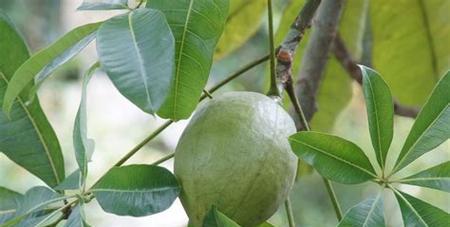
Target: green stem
<point>273,91</point>
<point>289,213</point>
<point>301,114</point>
<point>163,159</point>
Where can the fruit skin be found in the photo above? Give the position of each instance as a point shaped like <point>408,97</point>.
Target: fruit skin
<point>235,154</point>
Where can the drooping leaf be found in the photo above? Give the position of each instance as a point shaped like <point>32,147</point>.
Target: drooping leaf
<point>83,146</point>
<point>416,212</point>
<point>72,182</point>
<point>380,112</point>
<point>26,137</point>
<point>432,125</point>
<point>215,218</point>
<point>437,177</point>
<point>137,52</point>
<point>244,19</point>
<point>9,201</point>
<point>333,157</point>
<point>77,218</point>
<point>411,45</point>
<point>369,213</point>
<point>103,5</point>
<point>136,190</point>
<point>197,26</point>
<point>41,64</point>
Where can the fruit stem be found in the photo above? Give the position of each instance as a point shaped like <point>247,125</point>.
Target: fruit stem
<point>333,198</point>
<point>289,213</point>
<point>273,91</point>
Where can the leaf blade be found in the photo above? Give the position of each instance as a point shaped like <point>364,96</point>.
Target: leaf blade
<point>103,5</point>
<point>144,36</point>
<point>437,177</point>
<point>9,201</point>
<point>215,218</point>
<point>431,127</point>
<point>27,137</point>
<point>380,111</point>
<point>416,212</point>
<point>197,26</point>
<point>368,213</point>
<point>323,151</point>
<point>136,190</point>
<point>44,60</point>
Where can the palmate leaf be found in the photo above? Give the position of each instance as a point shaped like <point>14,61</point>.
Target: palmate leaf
<point>410,45</point>
<point>416,212</point>
<point>327,153</point>
<point>136,190</point>
<point>26,137</point>
<point>9,201</point>
<point>103,5</point>
<point>380,112</point>
<point>432,125</point>
<point>41,64</point>
<point>215,218</point>
<point>197,26</point>
<point>137,51</point>
<point>369,213</point>
<point>244,19</point>
<point>83,146</point>
<point>437,177</point>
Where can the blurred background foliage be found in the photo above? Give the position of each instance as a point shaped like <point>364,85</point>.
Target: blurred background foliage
<point>407,41</point>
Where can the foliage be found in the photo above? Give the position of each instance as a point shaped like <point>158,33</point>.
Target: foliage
<point>159,54</point>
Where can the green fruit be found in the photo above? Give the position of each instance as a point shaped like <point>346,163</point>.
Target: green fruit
<point>235,154</point>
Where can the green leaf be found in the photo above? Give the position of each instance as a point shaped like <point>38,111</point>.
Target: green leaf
<point>410,47</point>
<point>197,26</point>
<point>437,177</point>
<point>136,190</point>
<point>103,5</point>
<point>369,213</point>
<point>36,198</point>
<point>9,201</point>
<point>72,182</point>
<point>137,52</point>
<point>333,157</point>
<point>380,112</point>
<point>432,125</point>
<point>266,224</point>
<point>27,137</point>
<point>244,19</point>
<point>77,218</point>
<point>41,64</point>
<point>416,212</point>
<point>84,147</point>
<point>215,218</point>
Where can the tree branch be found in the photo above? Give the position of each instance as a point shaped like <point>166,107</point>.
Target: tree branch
<point>351,66</point>
<point>316,56</point>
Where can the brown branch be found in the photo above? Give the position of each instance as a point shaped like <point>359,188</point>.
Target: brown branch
<point>351,66</point>
<point>316,56</point>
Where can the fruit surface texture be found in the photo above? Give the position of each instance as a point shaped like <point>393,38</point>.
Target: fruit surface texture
<point>234,154</point>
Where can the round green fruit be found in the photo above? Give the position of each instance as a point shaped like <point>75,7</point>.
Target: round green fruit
<point>235,155</point>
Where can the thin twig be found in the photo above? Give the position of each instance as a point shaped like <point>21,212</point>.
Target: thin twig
<point>273,91</point>
<point>351,66</point>
<point>330,190</point>
<point>289,213</point>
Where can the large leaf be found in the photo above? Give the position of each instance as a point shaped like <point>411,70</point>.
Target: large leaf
<point>137,52</point>
<point>83,146</point>
<point>36,198</point>
<point>380,112</point>
<point>197,26</point>
<point>432,125</point>
<point>26,137</point>
<point>437,177</point>
<point>77,217</point>
<point>416,212</point>
<point>9,201</point>
<point>411,46</point>
<point>41,64</point>
<point>103,5</point>
<point>244,19</point>
<point>369,213</point>
<point>333,157</point>
<point>215,218</point>
<point>136,190</point>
